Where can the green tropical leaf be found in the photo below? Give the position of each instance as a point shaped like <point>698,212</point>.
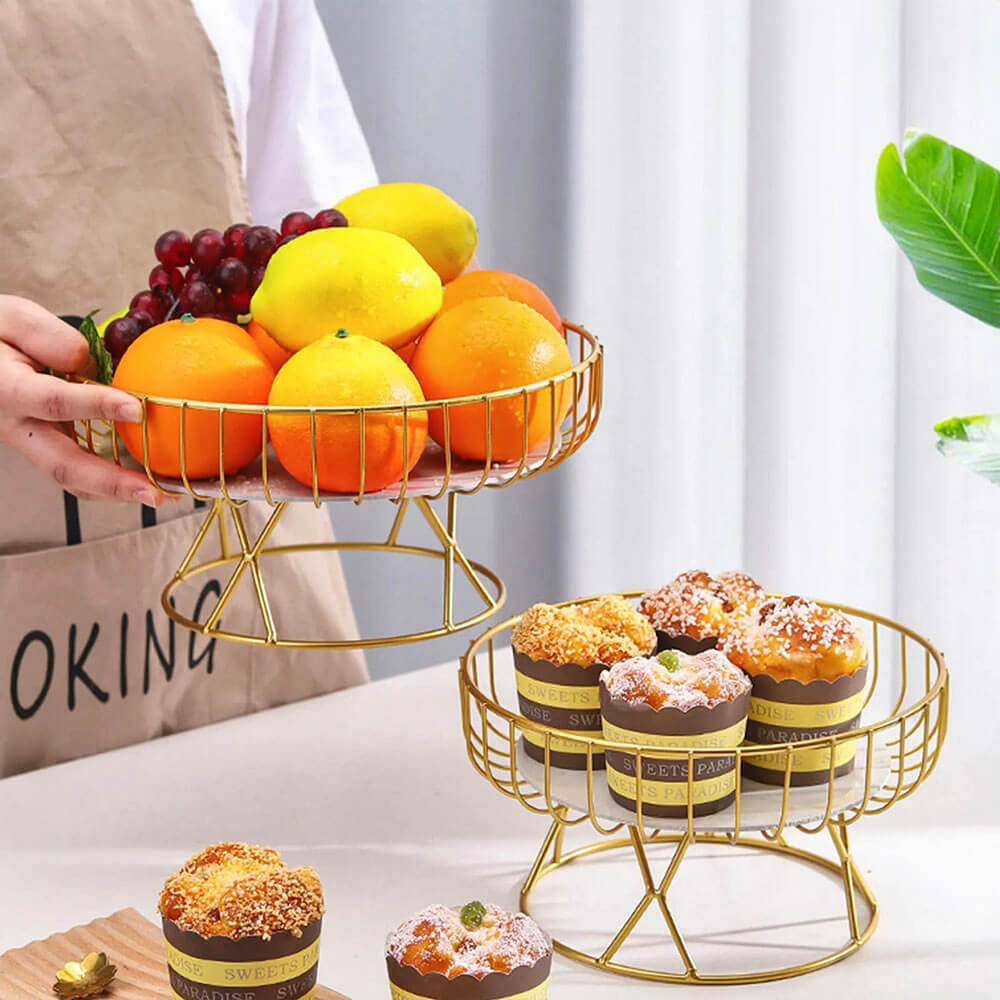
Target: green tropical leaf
<point>943,209</point>
<point>974,441</point>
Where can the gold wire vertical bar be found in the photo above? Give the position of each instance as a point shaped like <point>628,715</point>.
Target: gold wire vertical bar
<point>362,457</point>
<point>737,803</point>
<point>223,486</point>
<point>904,672</point>
<point>223,532</point>
<point>449,562</point>
<point>406,453</point>
<point>265,473</point>
<point>493,680</point>
<point>690,794</point>
<point>182,446</point>
<point>639,803</point>
<point>115,452</point>
<point>312,457</point>
<point>89,435</point>
<point>553,428</point>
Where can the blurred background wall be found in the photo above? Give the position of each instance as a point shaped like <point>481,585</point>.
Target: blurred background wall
<point>694,182</point>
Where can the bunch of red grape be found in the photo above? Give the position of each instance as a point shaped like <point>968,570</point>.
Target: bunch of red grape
<point>222,271</point>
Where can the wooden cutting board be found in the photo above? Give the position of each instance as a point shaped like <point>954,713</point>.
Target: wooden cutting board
<point>131,942</point>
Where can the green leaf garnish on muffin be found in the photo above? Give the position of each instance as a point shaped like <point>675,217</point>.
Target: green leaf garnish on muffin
<point>669,659</point>
<point>472,915</point>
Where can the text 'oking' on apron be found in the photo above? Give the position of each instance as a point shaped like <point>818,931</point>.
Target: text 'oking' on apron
<point>116,127</point>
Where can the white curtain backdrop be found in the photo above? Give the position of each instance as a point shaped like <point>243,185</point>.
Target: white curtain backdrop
<point>774,370</point>
<point>695,182</point>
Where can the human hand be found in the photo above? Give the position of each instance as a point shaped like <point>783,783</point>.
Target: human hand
<point>34,405</point>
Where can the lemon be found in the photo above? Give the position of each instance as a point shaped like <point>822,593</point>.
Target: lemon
<point>373,284</point>
<point>443,231</point>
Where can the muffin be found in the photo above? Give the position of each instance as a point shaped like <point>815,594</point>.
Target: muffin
<point>695,610</point>
<point>559,653</point>
<point>674,701</point>
<point>236,915</point>
<point>809,666</point>
<point>475,952</point>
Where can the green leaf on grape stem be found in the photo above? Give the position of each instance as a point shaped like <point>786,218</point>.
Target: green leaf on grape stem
<point>105,368</point>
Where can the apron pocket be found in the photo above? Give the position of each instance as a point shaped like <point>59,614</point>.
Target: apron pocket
<point>90,660</point>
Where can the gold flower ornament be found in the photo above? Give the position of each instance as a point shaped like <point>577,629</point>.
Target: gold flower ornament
<point>85,978</point>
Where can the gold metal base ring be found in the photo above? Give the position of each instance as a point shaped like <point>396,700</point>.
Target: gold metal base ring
<point>551,858</point>
<point>251,556</point>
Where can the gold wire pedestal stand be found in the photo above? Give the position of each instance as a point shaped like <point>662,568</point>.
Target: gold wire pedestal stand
<point>568,404</point>
<point>906,693</point>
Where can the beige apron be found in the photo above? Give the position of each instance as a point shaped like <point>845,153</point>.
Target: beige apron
<point>114,126</point>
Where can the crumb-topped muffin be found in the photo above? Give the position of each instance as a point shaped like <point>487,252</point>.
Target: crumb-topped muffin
<point>559,653</point>
<point>467,945</point>
<point>239,890</point>
<point>700,607</point>
<point>605,631</point>
<point>794,637</point>
<point>677,680</point>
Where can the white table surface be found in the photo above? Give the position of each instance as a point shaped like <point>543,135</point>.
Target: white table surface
<point>372,786</point>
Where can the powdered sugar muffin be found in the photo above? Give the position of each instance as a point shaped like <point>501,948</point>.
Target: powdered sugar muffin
<point>674,701</point>
<point>696,609</point>
<point>466,953</point>
<point>794,637</point>
<point>236,913</point>
<point>808,665</point>
<point>559,653</point>
<point>677,680</point>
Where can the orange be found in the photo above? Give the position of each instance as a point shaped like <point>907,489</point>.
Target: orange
<point>407,351</point>
<point>345,370</point>
<point>483,284</point>
<point>485,345</point>
<point>208,360</point>
<point>270,348</point>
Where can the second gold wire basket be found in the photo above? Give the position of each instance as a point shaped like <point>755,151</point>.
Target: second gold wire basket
<point>895,748</point>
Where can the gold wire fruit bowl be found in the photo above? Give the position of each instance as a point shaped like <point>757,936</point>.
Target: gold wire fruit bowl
<point>439,471</point>
<point>896,747</point>
<point>229,540</point>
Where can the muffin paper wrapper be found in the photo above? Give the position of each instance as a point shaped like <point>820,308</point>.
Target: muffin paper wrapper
<point>684,643</point>
<point>782,711</point>
<point>665,781</point>
<point>526,982</point>
<point>562,696</point>
<point>248,968</point>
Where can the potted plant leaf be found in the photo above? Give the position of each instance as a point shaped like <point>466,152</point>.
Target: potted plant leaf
<point>942,206</point>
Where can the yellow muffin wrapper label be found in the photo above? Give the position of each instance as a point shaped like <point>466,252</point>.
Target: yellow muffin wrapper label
<point>587,698</point>
<point>563,745</point>
<point>815,759</point>
<point>305,996</point>
<point>673,793</point>
<point>727,739</point>
<point>539,992</point>
<point>247,974</point>
<point>785,714</point>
